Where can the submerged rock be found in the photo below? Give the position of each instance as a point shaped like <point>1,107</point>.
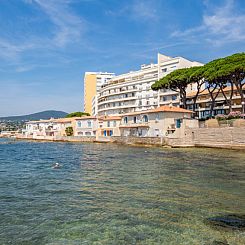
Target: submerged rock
<point>230,221</point>
<point>219,243</point>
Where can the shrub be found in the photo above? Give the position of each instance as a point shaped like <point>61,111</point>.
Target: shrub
<point>234,115</point>
<point>69,131</point>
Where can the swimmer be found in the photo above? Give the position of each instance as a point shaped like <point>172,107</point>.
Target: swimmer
<point>56,165</point>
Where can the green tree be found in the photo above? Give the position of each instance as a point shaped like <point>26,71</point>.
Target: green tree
<point>77,114</point>
<point>69,131</point>
<point>179,80</point>
<point>225,72</point>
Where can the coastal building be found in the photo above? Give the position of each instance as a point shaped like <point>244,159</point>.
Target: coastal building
<point>203,103</point>
<point>109,126</point>
<point>51,127</point>
<point>85,126</point>
<point>131,92</point>
<point>92,84</point>
<point>158,122</point>
<point>60,125</point>
<point>38,128</point>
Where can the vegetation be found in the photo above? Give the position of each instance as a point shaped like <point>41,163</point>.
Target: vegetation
<point>231,115</point>
<point>69,131</point>
<point>77,114</point>
<point>217,74</point>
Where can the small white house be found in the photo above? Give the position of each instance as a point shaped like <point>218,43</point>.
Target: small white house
<point>85,126</point>
<point>38,128</point>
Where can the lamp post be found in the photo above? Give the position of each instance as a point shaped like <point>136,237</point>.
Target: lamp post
<point>243,111</point>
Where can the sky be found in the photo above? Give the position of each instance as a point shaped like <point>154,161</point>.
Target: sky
<point>46,46</point>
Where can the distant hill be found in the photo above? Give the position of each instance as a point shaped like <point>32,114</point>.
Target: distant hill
<point>36,116</point>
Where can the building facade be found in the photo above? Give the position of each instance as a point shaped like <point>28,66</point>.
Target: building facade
<point>109,126</point>
<point>157,122</point>
<point>131,92</point>
<point>203,102</point>
<point>92,84</point>
<point>85,126</point>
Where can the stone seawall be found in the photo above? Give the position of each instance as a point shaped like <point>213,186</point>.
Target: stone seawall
<point>230,137</point>
<point>233,138</point>
<point>137,140</point>
<point>61,138</point>
<point>76,138</point>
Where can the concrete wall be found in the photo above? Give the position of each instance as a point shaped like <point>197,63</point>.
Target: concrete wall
<point>220,137</point>
<point>230,137</point>
<point>137,140</point>
<point>76,138</point>
<point>60,138</point>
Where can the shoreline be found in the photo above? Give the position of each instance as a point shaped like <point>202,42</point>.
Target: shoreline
<point>138,143</point>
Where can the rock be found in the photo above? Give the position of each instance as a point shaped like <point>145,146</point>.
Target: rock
<point>219,243</point>
<point>230,221</point>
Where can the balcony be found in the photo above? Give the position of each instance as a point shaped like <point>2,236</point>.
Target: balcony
<point>135,125</point>
<point>116,100</point>
<point>119,92</point>
<point>117,107</point>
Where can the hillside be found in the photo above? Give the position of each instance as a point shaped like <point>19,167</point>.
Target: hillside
<point>36,116</point>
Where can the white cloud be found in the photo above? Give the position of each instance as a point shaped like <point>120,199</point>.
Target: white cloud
<point>140,10</point>
<point>222,26</point>
<point>144,9</point>
<point>69,27</point>
<point>10,50</point>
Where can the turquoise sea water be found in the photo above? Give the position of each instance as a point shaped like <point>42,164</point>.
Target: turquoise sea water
<point>112,194</point>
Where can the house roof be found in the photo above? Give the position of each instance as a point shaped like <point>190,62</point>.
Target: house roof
<point>108,118</point>
<point>41,121</point>
<point>84,118</point>
<point>63,120</point>
<point>160,109</point>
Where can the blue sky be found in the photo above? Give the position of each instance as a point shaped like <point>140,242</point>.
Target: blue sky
<point>47,45</point>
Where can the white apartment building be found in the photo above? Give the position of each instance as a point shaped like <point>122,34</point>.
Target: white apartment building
<point>132,91</point>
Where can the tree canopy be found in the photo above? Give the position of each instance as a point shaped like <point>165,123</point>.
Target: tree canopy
<point>77,114</point>
<point>218,74</point>
<point>178,81</point>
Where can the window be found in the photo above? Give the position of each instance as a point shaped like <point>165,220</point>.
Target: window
<point>164,69</point>
<point>114,123</point>
<point>108,124</point>
<point>89,124</point>
<point>135,119</point>
<point>145,118</point>
<point>174,97</point>
<point>79,124</point>
<point>125,120</point>
<point>88,133</point>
